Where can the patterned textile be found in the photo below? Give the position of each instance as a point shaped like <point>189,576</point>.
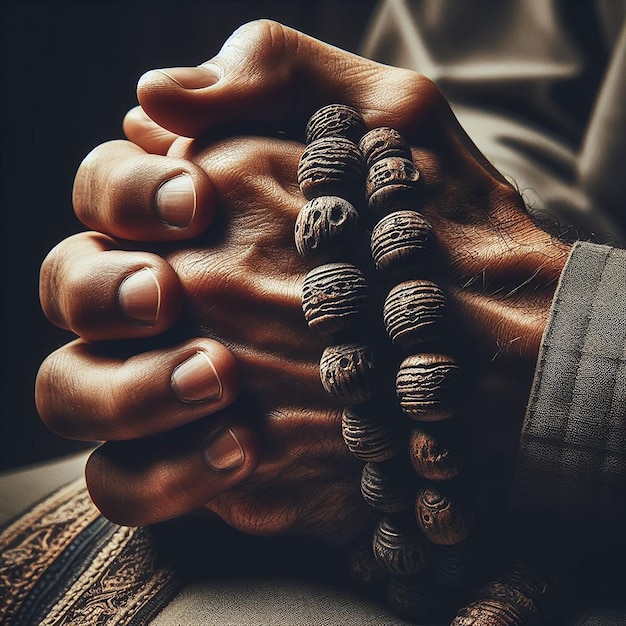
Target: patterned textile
<point>62,563</point>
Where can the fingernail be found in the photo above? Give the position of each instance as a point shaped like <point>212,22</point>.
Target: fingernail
<point>193,77</point>
<point>222,451</point>
<point>176,201</point>
<point>139,296</point>
<point>196,379</point>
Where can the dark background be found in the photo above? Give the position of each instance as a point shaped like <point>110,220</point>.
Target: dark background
<point>68,75</point>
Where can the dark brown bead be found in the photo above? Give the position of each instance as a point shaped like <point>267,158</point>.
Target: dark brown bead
<point>391,171</point>
<point>523,602</point>
<point>431,455</point>
<point>402,242</point>
<point>382,143</point>
<point>383,489</point>
<point>427,386</point>
<point>348,372</point>
<point>368,436</point>
<point>453,566</point>
<point>399,549</point>
<point>332,166</point>
<point>525,587</point>
<point>326,227</point>
<point>413,597</point>
<point>445,519</point>
<point>335,120</point>
<point>334,297</point>
<point>363,566</point>
<point>487,612</point>
<point>392,184</point>
<point>414,312</point>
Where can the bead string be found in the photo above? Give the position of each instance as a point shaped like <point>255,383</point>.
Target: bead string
<point>431,549</point>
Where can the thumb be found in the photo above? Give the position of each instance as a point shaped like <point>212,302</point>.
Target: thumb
<point>270,76</point>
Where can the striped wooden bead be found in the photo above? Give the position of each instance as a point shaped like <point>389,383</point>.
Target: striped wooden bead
<point>332,166</point>
<point>443,518</point>
<point>382,489</point>
<point>430,454</point>
<point>526,587</point>
<point>488,612</point>
<point>326,227</point>
<point>391,185</point>
<point>368,436</point>
<point>348,372</point>
<point>523,601</point>
<point>414,312</point>
<point>402,242</point>
<point>382,143</point>
<point>398,548</point>
<point>427,386</point>
<point>335,297</point>
<point>335,120</point>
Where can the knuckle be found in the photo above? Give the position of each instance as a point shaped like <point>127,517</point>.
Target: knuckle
<point>107,491</point>
<point>126,499</point>
<point>84,183</point>
<point>264,31</point>
<point>109,184</point>
<point>91,176</point>
<point>51,389</point>
<point>50,276</point>
<point>423,94</point>
<point>272,43</point>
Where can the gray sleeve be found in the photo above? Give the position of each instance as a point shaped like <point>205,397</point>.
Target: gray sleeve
<point>572,454</point>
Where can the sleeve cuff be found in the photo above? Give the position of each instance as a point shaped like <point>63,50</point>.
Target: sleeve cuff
<point>572,455</point>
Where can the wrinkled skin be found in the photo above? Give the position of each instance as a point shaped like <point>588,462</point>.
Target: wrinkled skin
<point>240,285</point>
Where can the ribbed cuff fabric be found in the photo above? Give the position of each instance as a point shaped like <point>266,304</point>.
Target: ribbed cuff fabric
<point>572,456</point>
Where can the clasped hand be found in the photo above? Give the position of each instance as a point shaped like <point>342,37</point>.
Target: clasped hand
<point>193,363</point>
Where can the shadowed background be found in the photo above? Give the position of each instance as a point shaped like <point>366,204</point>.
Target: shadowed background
<point>69,71</point>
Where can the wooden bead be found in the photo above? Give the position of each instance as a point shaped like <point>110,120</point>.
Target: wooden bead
<point>414,312</point>
<point>383,489</point>
<point>335,120</point>
<point>523,602</point>
<point>413,597</point>
<point>444,519</point>
<point>368,436</point>
<point>398,549</point>
<point>382,143</point>
<point>332,166</point>
<point>526,588</point>
<point>348,372</point>
<point>392,184</point>
<point>326,227</point>
<point>431,456</point>
<point>391,171</point>
<point>487,612</point>
<point>453,566</point>
<point>363,566</point>
<point>427,386</point>
<point>402,242</point>
<point>334,297</point>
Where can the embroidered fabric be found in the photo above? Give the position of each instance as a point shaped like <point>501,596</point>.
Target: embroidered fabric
<point>62,563</point>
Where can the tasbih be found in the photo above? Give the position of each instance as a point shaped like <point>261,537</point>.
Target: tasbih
<point>355,181</point>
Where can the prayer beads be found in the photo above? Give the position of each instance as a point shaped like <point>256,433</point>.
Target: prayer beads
<point>424,542</point>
